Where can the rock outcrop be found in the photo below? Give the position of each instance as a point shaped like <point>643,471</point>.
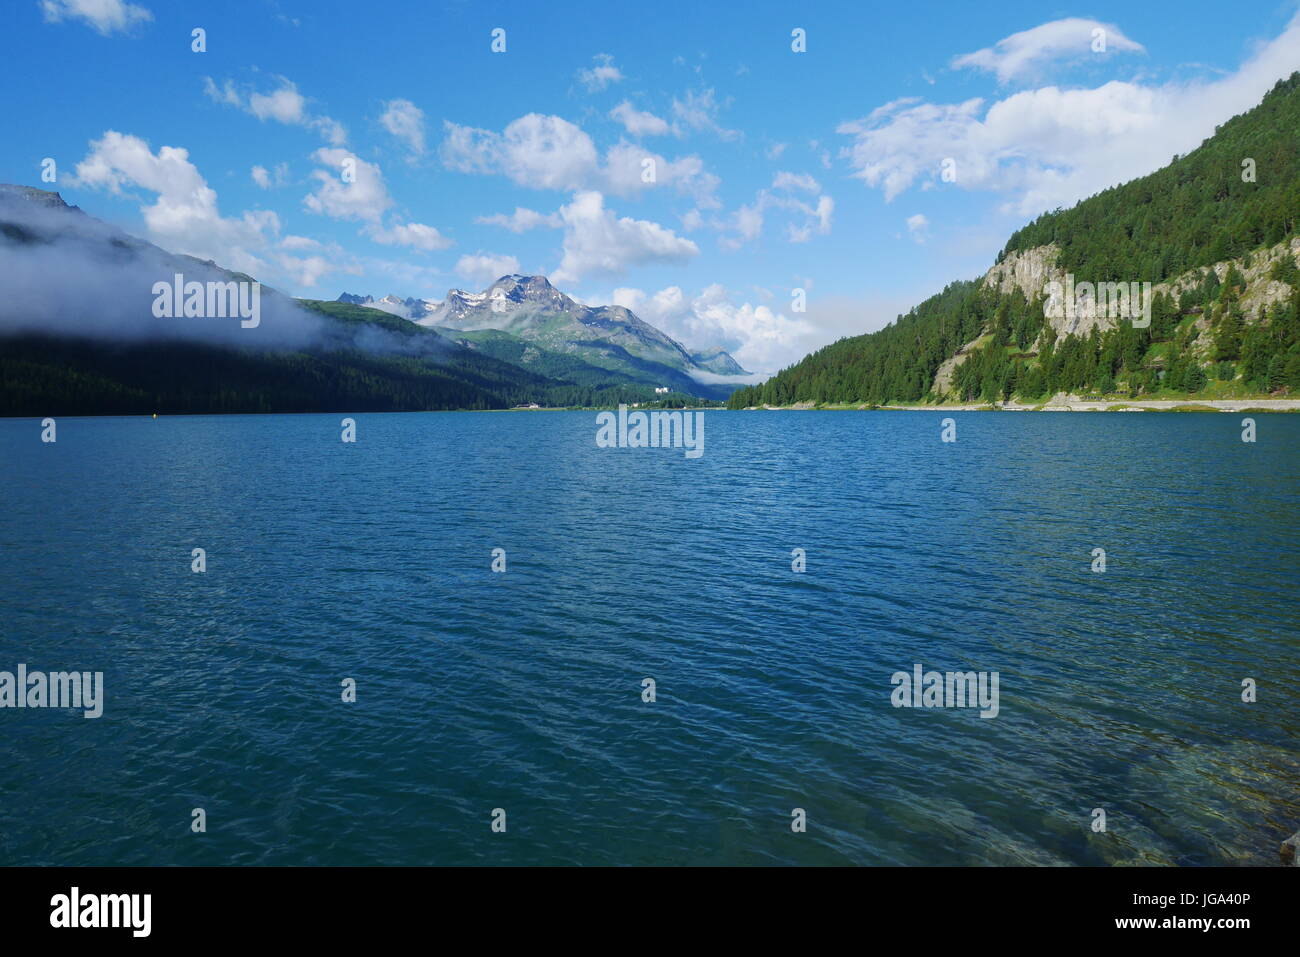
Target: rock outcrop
<point>1029,271</point>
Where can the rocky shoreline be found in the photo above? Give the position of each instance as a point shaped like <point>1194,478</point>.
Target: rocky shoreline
<point>1071,404</point>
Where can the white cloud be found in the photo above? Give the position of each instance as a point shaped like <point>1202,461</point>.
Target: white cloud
<point>541,152</point>
<point>185,218</point>
<point>638,122</point>
<point>627,167</point>
<point>549,152</point>
<point>106,16</point>
<point>804,221</point>
<point>818,221</point>
<point>598,243</point>
<point>270,179</point>
<point>601,75</point>
<point>283,105</point>
<point>522,220</point>
<point>760,338</point>
<point>415,235</point>
<point>352,189</point>
<point>664,306</point>
<point>918,226</point>
<point>1050,147</point>
<point>796,181</point>
<point>486,268</point>
<point>405,121</point>
<point>747,224</point>
<point>361,196</point>
<point>1025,52</point>
<point>763,336</point>
<point>308,271</point>
<point>298,243</point>
<point>699,112</point>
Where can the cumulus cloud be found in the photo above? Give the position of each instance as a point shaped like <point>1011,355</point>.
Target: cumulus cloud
<point>1028,51</point>
<point>1051,147</point>
<point>184,216</point>
<point>541,152</point>
<point>350,189</point>
<point>415,235</point>
<point>760,338</point>
<point>105,16</point>
<point>549,152</point>
<point>638,122</point>
<point>761,330</point>
<point>628,170</point>
<point>405,120</point>
<point>599,243</point>
<point>284,104</point>
<point>601,75</point>
<point>485,268</point>
<point>918,226</point>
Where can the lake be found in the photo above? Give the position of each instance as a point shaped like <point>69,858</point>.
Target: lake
<point>522,690</point>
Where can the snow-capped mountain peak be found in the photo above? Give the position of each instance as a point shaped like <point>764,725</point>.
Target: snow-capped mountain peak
<point>530,309</point>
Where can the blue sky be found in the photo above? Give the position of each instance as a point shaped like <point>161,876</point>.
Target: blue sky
<point>772,169</point>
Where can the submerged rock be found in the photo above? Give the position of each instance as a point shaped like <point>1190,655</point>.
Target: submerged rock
<point>1289,848</point>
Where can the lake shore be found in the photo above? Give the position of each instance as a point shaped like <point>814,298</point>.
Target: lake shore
<point>1066,404</point>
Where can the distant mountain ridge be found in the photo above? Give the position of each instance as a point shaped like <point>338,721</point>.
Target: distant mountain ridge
<point>531,310</point>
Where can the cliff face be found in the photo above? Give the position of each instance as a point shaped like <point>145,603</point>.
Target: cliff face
<point>1029,271</point>
<point>943,377</point>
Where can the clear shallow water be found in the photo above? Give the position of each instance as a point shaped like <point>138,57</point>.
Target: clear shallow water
<point>523,691</point>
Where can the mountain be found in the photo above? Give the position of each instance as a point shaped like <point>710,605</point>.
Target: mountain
<point>79,335</point>
<point>1214,233</point>
<point>406,308</point>
<point>528,319</point>
<point>717,361</point>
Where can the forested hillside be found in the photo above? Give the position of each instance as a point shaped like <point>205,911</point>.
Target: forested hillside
<point>45,375</point>
<point>1230,330</point>
<point>1199,210</point>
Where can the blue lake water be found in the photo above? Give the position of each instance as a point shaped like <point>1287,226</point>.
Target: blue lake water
<point>1119,690</point>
